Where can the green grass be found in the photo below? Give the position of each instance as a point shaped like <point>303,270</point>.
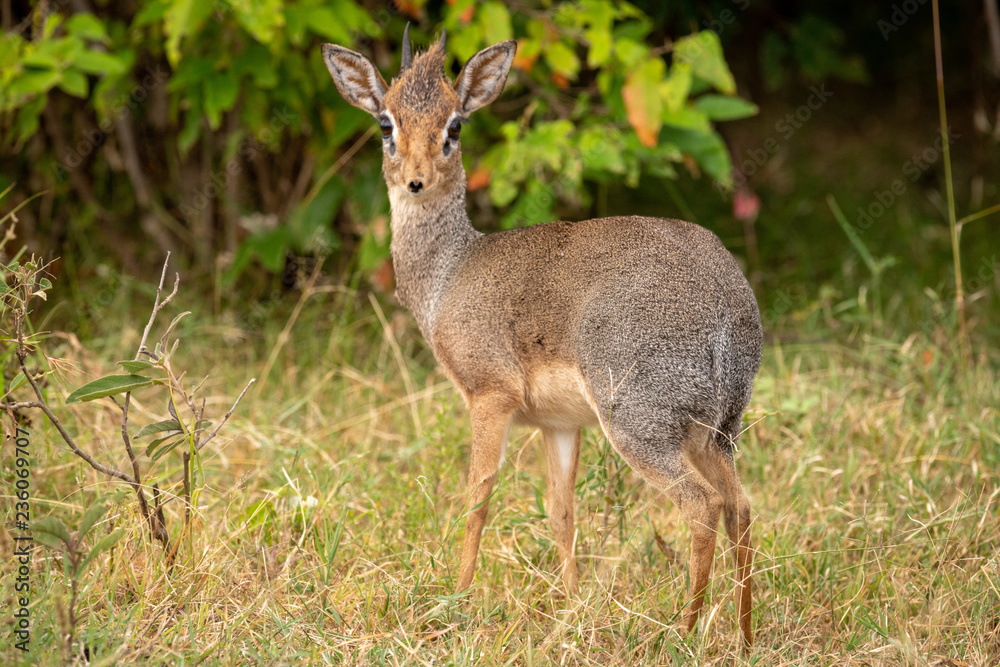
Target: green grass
<point>874,477</point>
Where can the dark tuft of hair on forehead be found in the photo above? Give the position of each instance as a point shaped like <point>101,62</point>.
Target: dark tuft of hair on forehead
<point>420,84</point>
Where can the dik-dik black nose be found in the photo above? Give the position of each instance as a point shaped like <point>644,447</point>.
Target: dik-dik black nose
<point>416,186</point>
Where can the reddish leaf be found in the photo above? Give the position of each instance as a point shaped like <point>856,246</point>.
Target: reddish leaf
<point>643,103</point>
<point>479,178</point>
<point>414,10</point>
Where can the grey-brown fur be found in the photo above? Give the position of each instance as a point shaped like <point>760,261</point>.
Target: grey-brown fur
<point>645,326</point>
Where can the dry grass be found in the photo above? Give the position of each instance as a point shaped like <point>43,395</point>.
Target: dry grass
<point>330,523</point>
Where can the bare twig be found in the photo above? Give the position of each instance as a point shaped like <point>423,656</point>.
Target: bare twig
<point>155,519</point>
<point>158,305</point>
<point>24,405</point>
<point>226,417</point>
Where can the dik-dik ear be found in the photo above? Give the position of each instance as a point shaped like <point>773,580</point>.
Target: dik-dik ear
<point>356,78</point>
<point>483,77</point>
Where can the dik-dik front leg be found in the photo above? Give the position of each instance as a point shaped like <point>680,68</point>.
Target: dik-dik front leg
<point>490,421</point>
<point>562,452</point>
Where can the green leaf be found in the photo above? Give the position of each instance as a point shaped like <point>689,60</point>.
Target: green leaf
<point>707,149</point>
<point>630,52</point>
<point>87,26</point>
<point>261,18</point>
<point>33,82</point>
<point>52,526</point>
<point>323,22</point>
<point>98,62</point>
<point>157,427</point>
<point>688,117</point>
<point>466,41</point>
<point>562,59</point>
<point>109,385</point>
<point>599,15</point>
<point>703,52</point>
<point>600,46</point>
<point>182,18</point>
<point>136,366</point>
<point>102,545</point>
<point>675,88</point>
<point>93,514</point>
<point>74,83</point>
<point>494,18</point>
<point>18,381</point>
<point>157,448</point>
<point>724,107</point>
<point>151,12</point>
<point>221,91</point>
<point>42,56</point>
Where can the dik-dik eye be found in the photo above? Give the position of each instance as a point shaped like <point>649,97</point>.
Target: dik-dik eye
<point>454,128</point>
<point>386,125</point>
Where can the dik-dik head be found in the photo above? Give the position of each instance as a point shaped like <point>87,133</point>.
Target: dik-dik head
<point>422,112</point>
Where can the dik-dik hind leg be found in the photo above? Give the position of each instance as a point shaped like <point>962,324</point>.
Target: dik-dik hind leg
<point>562,452</point>
<point>490,421</point>
<point>719,470</point>
<point>737,521</point>
<point>700,505</point>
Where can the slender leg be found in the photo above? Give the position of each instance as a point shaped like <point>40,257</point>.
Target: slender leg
<point>490,420</point>
<point>737,520</point>
<point>720,472</point>
<point>562,452</point>
<point>700,505</point>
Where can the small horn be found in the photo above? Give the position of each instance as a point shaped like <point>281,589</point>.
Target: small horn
<point>407,57</point>
<point>442,39</point>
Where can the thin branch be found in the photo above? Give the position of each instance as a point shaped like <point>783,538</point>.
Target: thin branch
<point>226,417</point>
<point>21,356</point>
<point>158,305</point>
<point>20,406</point>
<point>131,454</point>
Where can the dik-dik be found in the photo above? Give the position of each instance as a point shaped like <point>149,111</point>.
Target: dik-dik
<point>645,326</point>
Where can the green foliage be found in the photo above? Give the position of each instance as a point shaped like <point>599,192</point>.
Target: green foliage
<point>63,56</point>
<point>236,92</point>
<point>54,534</point>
